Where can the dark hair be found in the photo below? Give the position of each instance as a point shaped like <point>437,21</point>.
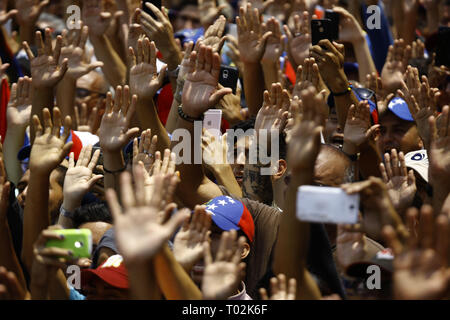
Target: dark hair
<point>245,125</point>
<point>92,212</point>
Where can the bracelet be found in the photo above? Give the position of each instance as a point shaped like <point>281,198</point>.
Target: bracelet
<point>184,116</point>
<point>65,213</point>
<point>115,171</point>
<point>343,93</point>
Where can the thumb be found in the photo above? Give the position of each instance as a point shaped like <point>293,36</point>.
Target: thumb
<point>219,94</point>
<point>65,150</point>
<point>265,37</point>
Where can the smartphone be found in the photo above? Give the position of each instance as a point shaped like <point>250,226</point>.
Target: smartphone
<point>334,26</point>
<point>326,205</point>
<point>321,29</point>
<point>229,77</point>
<point>156,3</point>
<point>443,49</point>
<point>212,122</point>
<point>77,240</point>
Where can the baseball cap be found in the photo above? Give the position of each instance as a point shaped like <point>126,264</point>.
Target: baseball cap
<point>383,259</point>
<point>418,161</point>
<point>399,107</point>
<point>187,35</point>
<point>231,214</point>
<point>112,271</point>
<point>79,139</point>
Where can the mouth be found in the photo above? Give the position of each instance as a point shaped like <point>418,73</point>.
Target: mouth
<point>338,141</point>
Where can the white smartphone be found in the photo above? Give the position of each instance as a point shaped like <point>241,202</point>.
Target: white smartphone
<point>327,205</point>
<point>212,122</point>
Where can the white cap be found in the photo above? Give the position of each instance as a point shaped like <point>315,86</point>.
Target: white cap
<point>418,161</point>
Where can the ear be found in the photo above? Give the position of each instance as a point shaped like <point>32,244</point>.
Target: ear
<point>282,166</point>
<point>245,251</point>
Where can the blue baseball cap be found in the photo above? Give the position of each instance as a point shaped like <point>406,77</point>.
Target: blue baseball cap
<point>231,214</point>
<point>399,107</point>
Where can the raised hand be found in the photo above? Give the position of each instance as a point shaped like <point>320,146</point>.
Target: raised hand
<point>231,107</point>
<point>279,289</point>
<point>304,142</point>
<point>261,5</point>
<point>3,68</point>
<point>439,169</point>
<point>140,231</point>
<point>378,208</point>
<point>274,112</point>
<point>358,129</point>
<point>97,20</point>
<point>373,82</point>
<point>400,183</point>
<point>144,150</point>
<point>214,151</point>
<point>299,39</point>
<point>350,30</point>
<point>49,147</point>
<point>421,100</point>
<point>395,66</point>
<point>189,241</point>
<point>10,288</point>
<point>74,43</point>
<point>47,261</point>
<point>80,178</point>
<point>417,49</point>
<point>144,78</point>
<point>213,35</point>
<point>350,245</point>
<point>275,43</point>
<point>222,276</point>
<point>160,30</point>
<point>87,122</point>
<point>19,106</point>
<point>28,11</point>
<point>4,15</point>
<point>209,11</point>
<point>114,133</point>
<point>308,75</point>
<point>46,69</point>
<point>251,39</point>
<point>199,92</point>
<point>421,269</point>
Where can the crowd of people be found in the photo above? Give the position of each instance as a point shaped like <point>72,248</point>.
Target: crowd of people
<point>98,97</point>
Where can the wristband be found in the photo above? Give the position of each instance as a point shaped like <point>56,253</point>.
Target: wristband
<point>343,93</point>
<point>184,116</point>
<point>115,171</point>
<point>65,213</point>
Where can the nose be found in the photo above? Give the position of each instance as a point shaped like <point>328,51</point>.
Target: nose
<point>339,129</point>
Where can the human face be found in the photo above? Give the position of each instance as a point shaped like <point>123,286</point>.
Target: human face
<point>100,290</point>
<point>187,18</point>
<point>241,156</point>
<point>398,134</point>
<point>98,229</point>
<point>329,169</point>
<point>333,133</point>
<point>90,89</point>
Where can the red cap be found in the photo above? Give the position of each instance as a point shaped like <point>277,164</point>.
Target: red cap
<point>112,271</point>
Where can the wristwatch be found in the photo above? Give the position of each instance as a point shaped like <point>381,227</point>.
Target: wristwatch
<point>65,213</point>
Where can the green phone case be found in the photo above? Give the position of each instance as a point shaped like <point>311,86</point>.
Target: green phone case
<point>77,240</point>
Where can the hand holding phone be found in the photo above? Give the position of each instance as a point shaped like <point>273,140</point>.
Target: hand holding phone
<point>229,77</point>
<point>212,122</point>
<point>327,205</point>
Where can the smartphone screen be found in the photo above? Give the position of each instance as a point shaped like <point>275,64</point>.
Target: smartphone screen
<point>443,49</point>
<point>229,77</point>
<point>334,26</point>
<point>320,29</point>
<point>156,3</point>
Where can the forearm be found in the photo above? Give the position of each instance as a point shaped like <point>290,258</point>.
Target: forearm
<point>173,280</point>
<point>364,58</point>
<point>293,241</point>
<point>369,161</point>
<point>113,67</point>
<point>113,162</point>
<point>225,177</point>
<point>27,34</point>
<point>14,139</point>
<point>65,97</point>
<point>36,215</point>
<point>342,103</point>
<point>440,193</point>
<point>173,60</point>
<point>8,258</point>
<point>148,119</point>
<point>42,98</point>
<point>171,123</point>
<point>143,284</point>
<point>270,70</point>
<point>253,87</point>
<point>58,288</point>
